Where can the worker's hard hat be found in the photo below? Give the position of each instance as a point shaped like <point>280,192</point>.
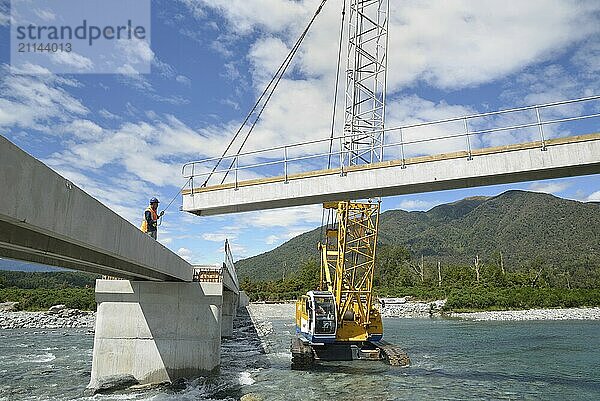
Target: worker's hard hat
<point>154,200</point>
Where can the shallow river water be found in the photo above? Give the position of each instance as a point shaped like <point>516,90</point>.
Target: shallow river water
<point>451,360</point>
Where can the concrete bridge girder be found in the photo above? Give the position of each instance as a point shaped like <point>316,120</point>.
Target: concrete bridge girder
<point>563,157</point>
<point>44,218</point>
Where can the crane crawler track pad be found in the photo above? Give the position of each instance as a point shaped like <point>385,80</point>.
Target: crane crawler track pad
<point>392,354</point>
<point>302,355</point>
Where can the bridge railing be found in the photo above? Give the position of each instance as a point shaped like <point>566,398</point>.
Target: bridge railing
<point>229,264</point>
<point>536,123</point>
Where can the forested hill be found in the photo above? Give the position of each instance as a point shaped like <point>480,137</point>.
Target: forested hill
<point>528,228</point>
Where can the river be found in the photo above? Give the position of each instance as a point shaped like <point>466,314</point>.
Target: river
<point>452,359</point>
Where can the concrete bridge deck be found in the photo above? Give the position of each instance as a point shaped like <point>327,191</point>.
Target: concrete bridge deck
<point>562,157</point>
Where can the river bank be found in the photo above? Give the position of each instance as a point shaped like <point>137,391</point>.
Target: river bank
<point>74,318</point>
<point>533,314</point>
<point>62,319</point>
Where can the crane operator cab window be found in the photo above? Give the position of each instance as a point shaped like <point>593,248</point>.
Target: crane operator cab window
<point>324,315</point>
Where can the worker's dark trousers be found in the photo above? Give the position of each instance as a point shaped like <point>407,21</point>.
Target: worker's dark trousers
<point>152,233</point>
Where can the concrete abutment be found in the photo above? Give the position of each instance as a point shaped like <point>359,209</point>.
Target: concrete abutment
<point>156,331</point>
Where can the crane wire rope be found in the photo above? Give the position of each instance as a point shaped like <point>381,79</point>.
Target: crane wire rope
<point>174,197</point>
<point>333,112</point>
<point>270,88</point>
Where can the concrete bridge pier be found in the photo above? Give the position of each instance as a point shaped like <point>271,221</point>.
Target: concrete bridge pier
<point>155,331</point>
<point>230,305</point>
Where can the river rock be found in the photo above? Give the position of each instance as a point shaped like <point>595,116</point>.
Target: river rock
<point>114,383</point>
<point>56,308</point>
<point>8,306</point>
<point>250,397</point>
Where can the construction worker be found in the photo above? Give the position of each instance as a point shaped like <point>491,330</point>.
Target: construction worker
<point>151,216</point>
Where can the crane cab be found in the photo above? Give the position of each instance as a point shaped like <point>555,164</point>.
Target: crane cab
<point>316,317</point>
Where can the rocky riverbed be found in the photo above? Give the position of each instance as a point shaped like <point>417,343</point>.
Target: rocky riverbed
<point>406,308</point>
<point>534,314</point>
<point>52,319</point>
<point>59,317</point>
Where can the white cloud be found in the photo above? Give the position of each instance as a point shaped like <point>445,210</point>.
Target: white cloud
<point>185,254</point>
<point>475,42</point>
<point>108,115</point>
<point>417,204</point>
<point>549,187</point>
<point>45,15</point>
<point>272,239</point>
<point>218,237</point>
<point>292,234</point>
<point>593,197</point>
<point>449,44</point>
<point>182,79</point>
<point>165,241</point>
<point>73,60</point>
<point>31,101</point>
<point>248,15</point>
<point>83,129</point>
<point>286,217</point>
<point>136,51</point>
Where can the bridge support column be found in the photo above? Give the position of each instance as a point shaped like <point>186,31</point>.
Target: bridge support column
<point>244,300</point>
<point>230,305</point>
<point>155,332</point>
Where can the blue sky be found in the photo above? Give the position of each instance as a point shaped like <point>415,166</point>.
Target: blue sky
<point>124,137</point>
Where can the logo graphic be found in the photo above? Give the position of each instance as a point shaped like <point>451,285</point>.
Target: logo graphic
<point>81,36</point>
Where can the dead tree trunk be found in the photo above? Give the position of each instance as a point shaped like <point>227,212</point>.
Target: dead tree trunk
<point>537,276</point>
<point>476,267</point>
<point>439,274</point>
<point>420,269</point>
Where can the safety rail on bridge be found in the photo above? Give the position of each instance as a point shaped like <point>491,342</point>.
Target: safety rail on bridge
<point>217,274</point>
<point>538,123</point>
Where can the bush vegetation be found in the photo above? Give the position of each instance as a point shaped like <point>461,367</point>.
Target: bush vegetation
<point>40,290</point>
<point>484,284</point>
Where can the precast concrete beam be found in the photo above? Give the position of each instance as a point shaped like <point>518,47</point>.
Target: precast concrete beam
<point>563,157</point>
<point>45,218</point>
<point>156,332</point>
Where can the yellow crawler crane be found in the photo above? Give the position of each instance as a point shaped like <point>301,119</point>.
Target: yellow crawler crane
<point>340,321</point>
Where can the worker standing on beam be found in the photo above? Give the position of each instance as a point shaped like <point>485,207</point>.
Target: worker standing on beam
<point>151,216</point>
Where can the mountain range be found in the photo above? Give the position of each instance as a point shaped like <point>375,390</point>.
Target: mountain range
<point>526,227</point>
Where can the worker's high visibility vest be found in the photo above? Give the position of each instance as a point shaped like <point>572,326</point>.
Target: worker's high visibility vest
<point>144,226</point>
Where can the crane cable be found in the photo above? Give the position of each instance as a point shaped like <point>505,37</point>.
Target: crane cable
<point>173,200</point>
<point>271,86</point>
<point>272,83</point>
<point>333,112</point>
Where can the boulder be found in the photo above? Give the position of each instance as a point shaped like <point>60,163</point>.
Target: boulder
<point>8,306</point>
<point>113,383</point>
<point>54,309</point>
<point>250,397</point>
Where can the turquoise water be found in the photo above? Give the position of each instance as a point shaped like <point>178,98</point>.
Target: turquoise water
<point>452,360</point>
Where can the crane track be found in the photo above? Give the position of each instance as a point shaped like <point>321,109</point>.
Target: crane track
<point>302,355</point>
<point>392,354</point>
